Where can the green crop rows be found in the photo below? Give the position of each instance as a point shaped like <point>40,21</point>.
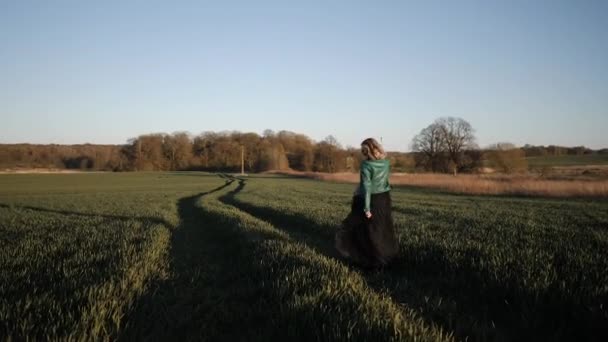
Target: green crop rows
<point>206,257</point>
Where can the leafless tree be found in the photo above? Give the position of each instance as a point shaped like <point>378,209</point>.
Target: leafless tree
<point>178,150</point>
<point>442,145</point>
<point>430,143</point>
<point>458,136</point>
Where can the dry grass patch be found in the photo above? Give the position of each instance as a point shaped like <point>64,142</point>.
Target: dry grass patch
<point>526,185</point>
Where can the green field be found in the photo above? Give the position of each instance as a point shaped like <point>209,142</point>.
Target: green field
<point>568,160</point>
<point>206,257</point>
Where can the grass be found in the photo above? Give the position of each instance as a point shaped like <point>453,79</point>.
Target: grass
<point>516,185</point>
<point>481,267</point>
<point>78,250</point>
<point>194,256</point>
<point>568,160</point>
<point>160,256</point>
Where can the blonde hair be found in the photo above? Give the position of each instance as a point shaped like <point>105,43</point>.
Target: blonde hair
<point>372,149</point>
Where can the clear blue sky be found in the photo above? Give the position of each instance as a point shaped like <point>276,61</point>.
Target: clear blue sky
<point>102,72</point>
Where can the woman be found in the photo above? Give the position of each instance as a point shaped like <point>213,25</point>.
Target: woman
<point>367,235</point>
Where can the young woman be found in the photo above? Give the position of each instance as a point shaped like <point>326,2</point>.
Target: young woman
<point>367,235</point>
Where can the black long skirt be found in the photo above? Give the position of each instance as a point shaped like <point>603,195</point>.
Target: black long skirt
<point>369,242</point>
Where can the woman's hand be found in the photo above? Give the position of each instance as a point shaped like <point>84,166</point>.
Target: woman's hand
<point>368,214</point>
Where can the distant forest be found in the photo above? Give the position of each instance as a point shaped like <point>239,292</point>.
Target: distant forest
<point>213,151</point>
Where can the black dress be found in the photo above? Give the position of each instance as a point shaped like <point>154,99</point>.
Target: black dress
<point>369,242</point>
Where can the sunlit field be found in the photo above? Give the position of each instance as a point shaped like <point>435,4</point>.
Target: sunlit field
<point>214,257</point>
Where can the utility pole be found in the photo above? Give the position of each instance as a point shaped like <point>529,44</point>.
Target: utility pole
<point>242,160</point>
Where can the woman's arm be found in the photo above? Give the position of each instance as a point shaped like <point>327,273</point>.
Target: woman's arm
<point>366,185</point>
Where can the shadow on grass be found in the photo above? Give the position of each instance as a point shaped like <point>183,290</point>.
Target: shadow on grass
<point>143,219</point>
<point>60,277</point>
<point>472,303</point>
<point>232,284</point>
<point>171,309</point>
<point>296,226</point>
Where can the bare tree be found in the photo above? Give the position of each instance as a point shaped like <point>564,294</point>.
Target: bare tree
<point>148,152</point>
<point>298,149</point>
<point>178,150</point>
<point>431,144</point>
<point>203,146</point>
<point>442,145</point>
<point>458,136</point>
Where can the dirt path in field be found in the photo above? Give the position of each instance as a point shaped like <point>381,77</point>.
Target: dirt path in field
<point>169,309</point>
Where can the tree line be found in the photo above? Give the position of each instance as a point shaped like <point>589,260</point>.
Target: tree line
<point>446,145</point>
<point>84,156</point>
<point>208,151</point>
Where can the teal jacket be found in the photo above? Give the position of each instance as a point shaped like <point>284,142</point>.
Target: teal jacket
<point>374,179</point>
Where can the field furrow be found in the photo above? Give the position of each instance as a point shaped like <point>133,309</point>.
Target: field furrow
<point>241,267</point>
